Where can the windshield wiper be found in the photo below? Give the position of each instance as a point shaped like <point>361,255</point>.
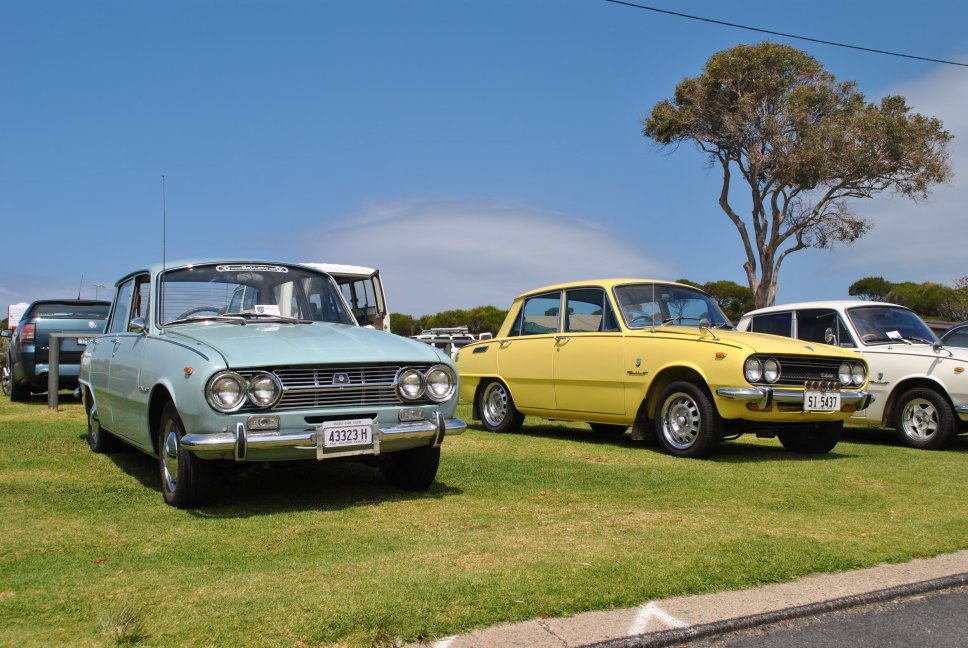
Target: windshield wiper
<point>919,340</point>
<point>205,318</point>
<point>267,316</point>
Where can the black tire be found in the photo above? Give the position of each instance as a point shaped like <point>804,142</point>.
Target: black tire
<point>687,423</point>
<point>414,469</point>
<point>925,419</point>
<point>5,376</point>
<point>496,407</point>
<point>817,439</point>
<point>608,429</point>
<point>19,393</point>
<point>185,479</point>
<point>100,440</point>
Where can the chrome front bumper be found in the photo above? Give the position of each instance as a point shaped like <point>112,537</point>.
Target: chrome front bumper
<point>241,440</point>
<point>763,397</point>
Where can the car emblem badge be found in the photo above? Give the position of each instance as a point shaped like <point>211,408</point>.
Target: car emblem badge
<point>340,378</point>
<point>91,325</point>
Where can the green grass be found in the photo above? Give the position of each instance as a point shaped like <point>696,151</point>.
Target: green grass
<point>549,522</point>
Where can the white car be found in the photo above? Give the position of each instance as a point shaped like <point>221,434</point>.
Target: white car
<point>920,386</point>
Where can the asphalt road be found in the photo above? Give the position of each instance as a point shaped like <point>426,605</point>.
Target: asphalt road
<point>937,619</point>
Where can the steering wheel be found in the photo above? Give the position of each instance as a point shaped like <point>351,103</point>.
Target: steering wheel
<point>199,309</point>
<point>642,318</point>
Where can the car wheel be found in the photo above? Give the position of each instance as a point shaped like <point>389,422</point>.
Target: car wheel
<point>98,438</point>
<point>184,477</point>
<point>924,419</point>
<point>687,423</point>
<point>818,439</point>
<point>413,469</point>
<point>608,429</point>
<point>19,393</point>
<point>5,376</point>
<point>497,408</point>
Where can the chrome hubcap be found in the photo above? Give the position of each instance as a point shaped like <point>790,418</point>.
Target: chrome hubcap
<point>93,427</point>
<point>920,419</point>
<point>680,421</point>
<point>169,455</point>
<point>495,404</point>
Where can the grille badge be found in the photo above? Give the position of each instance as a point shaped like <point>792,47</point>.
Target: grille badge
<point>341,378</point>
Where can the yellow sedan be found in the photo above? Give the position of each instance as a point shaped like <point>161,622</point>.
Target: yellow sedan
<point>660,357</point>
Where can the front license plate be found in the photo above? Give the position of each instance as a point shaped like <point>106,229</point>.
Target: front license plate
<point>342,434</point>
<point>821,401</point>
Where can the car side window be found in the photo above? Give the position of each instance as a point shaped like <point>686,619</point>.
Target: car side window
<point>122,306</point>
<point>813,324</point>
<point>539,314</point>
<point>773,323</point>
<point>587,310</point>
<point>957,338</point>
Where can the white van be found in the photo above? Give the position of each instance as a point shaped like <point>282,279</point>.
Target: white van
<point>363,290</point>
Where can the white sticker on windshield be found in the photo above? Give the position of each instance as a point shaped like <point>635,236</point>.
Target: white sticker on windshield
<point>250,268</point>
<point>895,335</point>
<point>267,309</point>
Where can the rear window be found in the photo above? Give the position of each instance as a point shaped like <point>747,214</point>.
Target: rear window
<point>67,309</point>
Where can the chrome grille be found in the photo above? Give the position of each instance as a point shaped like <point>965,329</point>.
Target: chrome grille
<point>331,387</point>
<point>797,370</point>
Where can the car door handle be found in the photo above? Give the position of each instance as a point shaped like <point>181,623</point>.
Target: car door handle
<point>504,343</point>
<point>562,338</point>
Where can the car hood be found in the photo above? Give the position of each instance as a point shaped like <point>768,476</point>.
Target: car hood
<point>276,344</point>
<point>754,342</point>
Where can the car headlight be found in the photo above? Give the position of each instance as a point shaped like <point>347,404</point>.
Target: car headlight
<point>264,390</point>
<point>753,369</point>
<point>859,374</point>
<point>441,383</point>
<point>410,384</point>
<point>846,373</point>
<point>226,391</point>
<point>771,370</point>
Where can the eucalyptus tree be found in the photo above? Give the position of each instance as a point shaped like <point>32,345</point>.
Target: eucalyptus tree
<point>803,143</point>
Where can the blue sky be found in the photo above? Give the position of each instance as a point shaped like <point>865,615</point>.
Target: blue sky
<point>471,150</point>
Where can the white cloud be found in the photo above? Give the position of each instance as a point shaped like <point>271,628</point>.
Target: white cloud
<point>921,241</point>
<point>436,255</point>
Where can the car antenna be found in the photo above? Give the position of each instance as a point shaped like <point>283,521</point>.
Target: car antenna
<point>79,287</point>
<point>164,250</point>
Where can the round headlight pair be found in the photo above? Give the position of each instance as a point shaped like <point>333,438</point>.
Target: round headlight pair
<point>852,374</point>
<point>228,391</point>
<point>438,383</point>
<point>757,370</point>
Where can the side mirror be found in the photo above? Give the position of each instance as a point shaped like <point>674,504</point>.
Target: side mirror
<point>137,325</point>
<point>829,337</point>
<point>6,333</point>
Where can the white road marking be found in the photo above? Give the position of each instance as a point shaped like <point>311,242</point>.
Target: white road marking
<point>652,611</point>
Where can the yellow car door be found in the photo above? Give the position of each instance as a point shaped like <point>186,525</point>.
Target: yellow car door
<point>588,353</point>
<point>525,356</point>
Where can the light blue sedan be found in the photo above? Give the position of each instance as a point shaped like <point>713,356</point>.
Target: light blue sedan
<point>260,361</point>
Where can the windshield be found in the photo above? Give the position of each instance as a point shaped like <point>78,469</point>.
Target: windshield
<point>883,324</point>
<point>646,305</point>
<point>250,291</point>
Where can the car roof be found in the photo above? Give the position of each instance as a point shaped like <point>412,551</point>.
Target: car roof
<point>601,283</point>
<point>838,304</point>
